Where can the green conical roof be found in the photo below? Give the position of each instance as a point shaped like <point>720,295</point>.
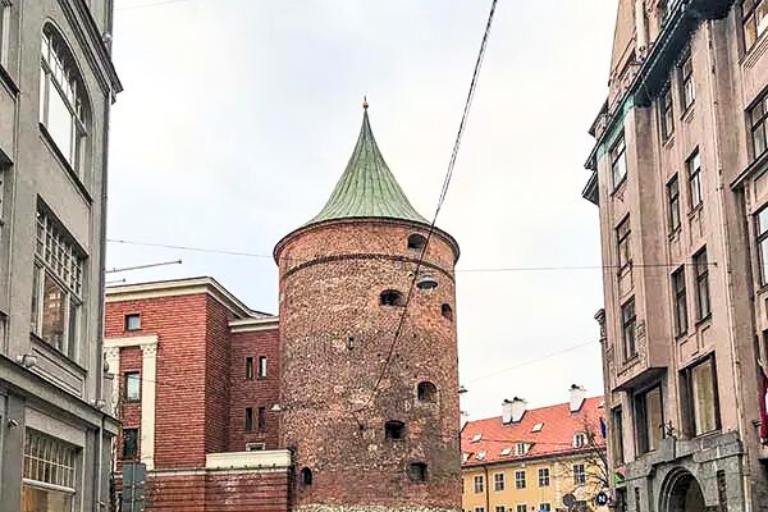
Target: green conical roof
<point>367,188</point>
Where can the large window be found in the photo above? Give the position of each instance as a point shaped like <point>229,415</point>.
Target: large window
<point>49,473</point>
<point>628,322</point>
<point>701,271</point>
<point>694,179</point>
<point>687,88</point>
<point>617,436</point>
<point>673,204</point>
<point>624,244</point>
<point>57,295</point>
<point>680,300</point>
<point>757,117</point>
<point>700,405</point>
<point>761,229</point>
<point>649,419</point>
<point>619,161</point>
<point>5,31</point>
<point>666,112</point>
<point>63,103</point>
<point>755,19</point>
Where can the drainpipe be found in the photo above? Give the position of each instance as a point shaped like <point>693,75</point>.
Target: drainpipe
<point>736,363</point>
<point>487,490</point>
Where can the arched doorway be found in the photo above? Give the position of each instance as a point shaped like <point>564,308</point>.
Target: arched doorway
<point>681,493</point>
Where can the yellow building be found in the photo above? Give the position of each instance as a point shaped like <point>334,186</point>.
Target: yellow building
<point>539,459</point>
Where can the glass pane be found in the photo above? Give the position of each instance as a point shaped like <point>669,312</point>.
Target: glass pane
<point>74,328</point>
<point>655,418</point>
<point>39,500</point>
<point>60,123</point>
<point>54,309</point>
<point>132,386</point>
<point>704,398</point>
<point>758,140</point>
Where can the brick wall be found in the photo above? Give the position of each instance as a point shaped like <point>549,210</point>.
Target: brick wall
<point>129,412</point>
<point>217,376</point>
<point>180,324</point>
<point>258,392</point>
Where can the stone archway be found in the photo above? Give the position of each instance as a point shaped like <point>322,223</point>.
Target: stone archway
<point>681,492</point>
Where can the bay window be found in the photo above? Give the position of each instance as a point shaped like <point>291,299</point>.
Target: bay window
<point>63,100</point>
<point>49,472</point>
<point>57,289</point>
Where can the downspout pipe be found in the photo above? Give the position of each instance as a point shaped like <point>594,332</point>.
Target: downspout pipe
<point>487,490</point>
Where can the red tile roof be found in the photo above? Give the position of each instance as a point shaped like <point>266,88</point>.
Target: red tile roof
<point>555,437</point>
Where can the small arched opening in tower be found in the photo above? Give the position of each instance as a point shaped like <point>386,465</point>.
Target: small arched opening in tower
<point>391,298</point>
<point>306,477</point>
<point>417,242</point>
<point>417,471</point>
<point>394,430</point>
<point>447,311</point>
<point>426,392</point>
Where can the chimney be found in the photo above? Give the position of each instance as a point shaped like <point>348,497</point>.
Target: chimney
<point>578,394</point>
<point>512,410</point>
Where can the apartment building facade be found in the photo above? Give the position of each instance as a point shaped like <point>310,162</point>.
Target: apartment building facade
<point>197,378</point>
<point>678,175</point>
<point>544,459</point>
<point>57,84</point>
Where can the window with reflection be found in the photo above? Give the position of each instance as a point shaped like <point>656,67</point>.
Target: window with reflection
<point>63,100</point>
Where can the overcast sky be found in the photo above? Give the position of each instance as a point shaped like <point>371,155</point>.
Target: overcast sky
<point>239,116</point>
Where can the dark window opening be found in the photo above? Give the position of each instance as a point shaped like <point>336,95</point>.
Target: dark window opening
<point>391,298</point>
<point>394,430</point>
<point>130,443</point>
<point>701,271</point>
<point>133,322</point>
<point>680,302</point>
<point>249,368</point>
<point>628,327</point>
<point>649,419</point>
<point>262,419</point>
<point>426,392</point>
<point>248,419</point>
<point>447,311</point>
<point>306,477</point>
<point>417,471</point>
<point>417,241</point>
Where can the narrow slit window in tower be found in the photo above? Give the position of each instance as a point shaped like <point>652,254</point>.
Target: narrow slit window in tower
<point>417,242</point>
<point>417,471</point>
<point>426,392</point>
<point>447,311</point>
<point>394,430</point>
<point>306,477</point>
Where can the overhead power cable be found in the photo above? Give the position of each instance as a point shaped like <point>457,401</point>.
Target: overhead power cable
<point>145,5</point>
<point>441,200</point>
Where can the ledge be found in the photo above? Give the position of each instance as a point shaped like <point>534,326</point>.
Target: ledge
<point>244,460</point>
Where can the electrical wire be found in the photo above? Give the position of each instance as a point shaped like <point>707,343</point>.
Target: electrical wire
<point>148,4</point>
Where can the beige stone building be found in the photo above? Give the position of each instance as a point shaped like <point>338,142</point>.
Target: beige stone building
<point>679,174</point>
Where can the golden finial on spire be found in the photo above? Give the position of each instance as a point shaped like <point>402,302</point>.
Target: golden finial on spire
<point>365,102</point>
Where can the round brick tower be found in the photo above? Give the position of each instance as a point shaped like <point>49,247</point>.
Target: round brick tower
<point>370,431</point>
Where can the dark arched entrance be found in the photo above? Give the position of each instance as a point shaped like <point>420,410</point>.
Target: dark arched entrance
<point>681,493</point>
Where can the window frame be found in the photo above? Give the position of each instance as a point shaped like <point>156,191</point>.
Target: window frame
<point>695,190</point>
<point>126,379</point>
<point>624,244</point>
<point>701,280</point>
<point>478,484</point>
<point>137,445</point>
<point>687,83</point>
<point>749,16</point>
<point>249,368</point>
<point>666,112</point>
<point>761,241</point>
<point>617,435</point>
<point>499,482</point>
<point>758,126</point>
<point>262,369</point>
<point>618,155</point>
<point>642,428</point>
<point>689,402</point>
<point>61,74</point>
<point>679,287</point>
<point>59,260</point>
<point>130,327</point>
<point>261,419</point>
<point>579,474</point>
<point>544,477</point>
<point>628,330</point>
<point>674,220</point>
<point>520,479</point>
<point>248,423</point>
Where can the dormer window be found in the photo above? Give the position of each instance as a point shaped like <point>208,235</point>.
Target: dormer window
<point>464,457</point>
<point>506,451</point>
<point>480,456</point>
<point>537,427</point>
<point>522,448</point>
<point>580,440</point>
<point>477,437</point>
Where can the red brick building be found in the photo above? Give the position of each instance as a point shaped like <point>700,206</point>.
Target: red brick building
<point>349,403</point>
